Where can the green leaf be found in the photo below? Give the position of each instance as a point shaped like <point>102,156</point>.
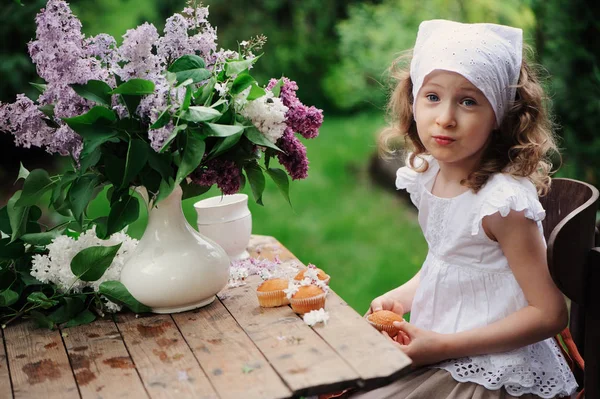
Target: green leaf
<point>85,317</point>
<point>47,110</point>
<point>224,145</point>
<point>255,136</point>
<point>17,216</point>
<point>90,263</point>
<point>160,163</point>
<point>94,90</point>
<point>23,172</point>
<point>215,130</point>
<point>235,67</point>
<point>94,115</point>
<point>11,250</point>
<point>39,298</point>
<point>281,181</point>
<point>101,227</point>
<point>162,120</point>
<point>191,190</point>
<point>187,62</point>
<point>42,320</point>
<point>81,193</point>
<point>200,114</point>
<point>257,181</point>
<point>135,87</point>
<point>39,86</point>
<point>172,136</point>
<point>187,100</point>
<point>89,158</point>
<point>197,75</point>
<point>116,292</point>
<point>204,93</point>
<point>8,297</point>
<point>165,188</point>
<point>122,213</point>
<point>256,92</point>
<point>276,90</point>
<point>5,221</point>
<point>70,307</point>
<point>36,184</point>
<point>241,82</point>
<point>42,239</point>
<point>114,168</point>
<point>19,2</point>
<point>137,155</point>
<point>192,156</point>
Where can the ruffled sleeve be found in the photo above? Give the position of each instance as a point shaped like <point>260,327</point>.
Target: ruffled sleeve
<point>407,179</point>
<point>504,193</point>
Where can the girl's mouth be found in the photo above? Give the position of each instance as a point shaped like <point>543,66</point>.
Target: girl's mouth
<point>443,140</point>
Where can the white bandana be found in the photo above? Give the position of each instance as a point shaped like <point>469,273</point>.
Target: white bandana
<point>487,55</point>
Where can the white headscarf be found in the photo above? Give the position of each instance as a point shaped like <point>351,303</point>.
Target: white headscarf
<point>487,55</point>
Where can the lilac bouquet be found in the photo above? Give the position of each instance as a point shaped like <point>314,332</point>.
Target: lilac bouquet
<point>157,111</point>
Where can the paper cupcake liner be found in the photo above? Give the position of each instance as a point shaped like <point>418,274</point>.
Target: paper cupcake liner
<point>272,299</point>
<point>305,305</point>
<point>391,330</point>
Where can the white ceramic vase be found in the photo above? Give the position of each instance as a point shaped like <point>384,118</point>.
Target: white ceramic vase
<point>227,220</point>
<point>174,268</point>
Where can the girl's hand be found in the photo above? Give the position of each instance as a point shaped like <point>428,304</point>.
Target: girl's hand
<point>422,346</point>
<point>385,303</point>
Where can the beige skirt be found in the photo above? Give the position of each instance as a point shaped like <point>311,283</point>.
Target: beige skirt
<point>429,383</point>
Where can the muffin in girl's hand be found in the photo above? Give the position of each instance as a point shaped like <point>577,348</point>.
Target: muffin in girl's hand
<point>313,273</point>
<point>270,293</point>
<point>305,298</point>
<point>383,320</point>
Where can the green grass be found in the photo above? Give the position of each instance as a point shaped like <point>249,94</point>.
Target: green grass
<point>366,238</point>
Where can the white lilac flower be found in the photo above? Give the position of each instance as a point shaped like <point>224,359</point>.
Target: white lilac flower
<point>221,88</point>
<point>291,289</point>
<point>56,266</point>
<point>267,113</point>
<point>315,316</point>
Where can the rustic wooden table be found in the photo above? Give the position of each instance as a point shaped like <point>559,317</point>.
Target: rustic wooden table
<point>230,349</point>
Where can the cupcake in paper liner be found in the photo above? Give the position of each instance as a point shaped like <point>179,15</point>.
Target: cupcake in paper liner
<point>307,298</point>
<point>271,293</point>
<point>383,320</point>
<point>313,274</point>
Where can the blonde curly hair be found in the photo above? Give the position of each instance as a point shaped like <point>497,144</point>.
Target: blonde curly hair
<point>521,146</point>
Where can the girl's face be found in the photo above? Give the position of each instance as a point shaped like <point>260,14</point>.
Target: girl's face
<point>454,119</point>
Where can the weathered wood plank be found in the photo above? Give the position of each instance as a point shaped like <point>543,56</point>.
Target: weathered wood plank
<point>233,364</point>
<point>38,361</point>
<point>307,364</point>
<point>5,384</point>
<point>100,362</point>
<point>163,359</point>
<point>351,336</point>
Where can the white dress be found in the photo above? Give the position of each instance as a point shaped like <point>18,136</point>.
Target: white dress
<point>466,282</point>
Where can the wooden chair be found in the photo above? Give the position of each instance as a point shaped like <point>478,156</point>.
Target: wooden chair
<point>574,263</point>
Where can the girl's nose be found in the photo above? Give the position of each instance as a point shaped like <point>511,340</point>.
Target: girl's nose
<point>446,117</point>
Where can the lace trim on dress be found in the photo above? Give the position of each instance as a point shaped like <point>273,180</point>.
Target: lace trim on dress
<point>538,369</point>
<point>507,196</point>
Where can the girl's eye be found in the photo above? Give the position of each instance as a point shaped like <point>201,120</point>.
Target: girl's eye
<point>432,97</point>
<point>469,102</point>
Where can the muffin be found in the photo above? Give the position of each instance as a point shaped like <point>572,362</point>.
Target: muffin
<point>270,293</point>
<point>383,320</point>
<point>321,275</point>
<point>307,298</point>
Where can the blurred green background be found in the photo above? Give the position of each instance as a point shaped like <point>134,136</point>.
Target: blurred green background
<point>364,235</point>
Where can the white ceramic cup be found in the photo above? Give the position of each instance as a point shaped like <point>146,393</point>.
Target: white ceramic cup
<point>226,220</point>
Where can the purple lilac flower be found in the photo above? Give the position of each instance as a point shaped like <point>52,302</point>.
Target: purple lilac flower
<point>159,136</point>
<point>293,157</point>
<point>26,122</point>
<point>136,51</point>
<point>176,42</point>
<point>224,172</point>
<point>104,48</point>
<point>300,118</point>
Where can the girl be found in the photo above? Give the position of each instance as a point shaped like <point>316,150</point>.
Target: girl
<point>483,306</point>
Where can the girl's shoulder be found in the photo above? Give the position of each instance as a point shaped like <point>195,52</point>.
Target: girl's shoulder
<point>503,193</point>
<point>411,180</point>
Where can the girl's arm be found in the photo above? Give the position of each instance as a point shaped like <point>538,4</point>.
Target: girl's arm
<point>546,313</point>
<point>402,295</point>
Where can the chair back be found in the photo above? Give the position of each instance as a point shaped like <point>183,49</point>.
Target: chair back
<point>574,264</point>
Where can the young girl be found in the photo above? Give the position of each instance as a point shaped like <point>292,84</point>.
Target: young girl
<point>483,306</point>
